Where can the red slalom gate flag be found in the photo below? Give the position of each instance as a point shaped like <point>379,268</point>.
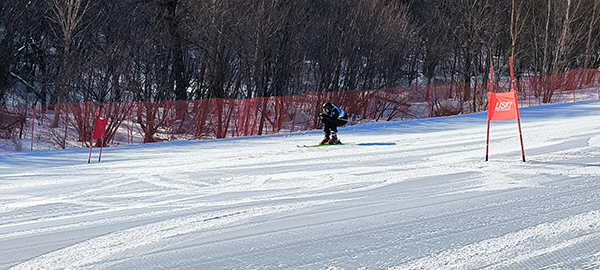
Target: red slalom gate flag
<point>100,128</point>
<point>503,106</point>
<point>99,131</point>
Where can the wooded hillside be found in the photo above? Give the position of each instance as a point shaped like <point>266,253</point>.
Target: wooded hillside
<point>60,51</point>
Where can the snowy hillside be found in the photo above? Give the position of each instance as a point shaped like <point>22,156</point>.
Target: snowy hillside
<point>402,195</point>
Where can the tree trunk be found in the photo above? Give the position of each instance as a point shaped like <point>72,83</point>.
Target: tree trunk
<point>547,85</point>
<point>545,68</point>
<point>177,80</point>
<point>562,41</point>
<point>588,45</point>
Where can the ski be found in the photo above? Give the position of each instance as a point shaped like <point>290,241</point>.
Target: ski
<point>318,145</point>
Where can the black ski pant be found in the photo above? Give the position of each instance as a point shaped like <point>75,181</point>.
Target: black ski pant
<point>331,124</point>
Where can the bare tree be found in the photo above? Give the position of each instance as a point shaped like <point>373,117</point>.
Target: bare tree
<point>112,50</point>
<point>21,57</point>
<point>592,33</point>
<point>67,16</point>
<point>573,31</point>
<point>517,21</point>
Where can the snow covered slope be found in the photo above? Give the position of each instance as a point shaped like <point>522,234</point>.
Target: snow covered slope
<point>405,195</point>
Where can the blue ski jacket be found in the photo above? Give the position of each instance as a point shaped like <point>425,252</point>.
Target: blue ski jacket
<point>337,113</point>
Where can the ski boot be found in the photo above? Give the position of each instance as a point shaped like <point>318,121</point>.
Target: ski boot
<point>334,139</point>
<point>325,140</point>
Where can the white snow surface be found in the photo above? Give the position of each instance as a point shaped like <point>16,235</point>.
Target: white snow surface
<point>396,195</point>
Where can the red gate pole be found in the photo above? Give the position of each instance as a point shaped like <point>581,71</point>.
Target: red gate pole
<point>102,140</point>
<point>92,137</point>
<point>101,147</point>
<point>520,133</point>
<point>103,133</point>
<point>33,127</point>
<point>512,74</point>
<point>487,143</point>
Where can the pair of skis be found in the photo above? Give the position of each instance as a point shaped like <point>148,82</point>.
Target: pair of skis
<point>318,145</point>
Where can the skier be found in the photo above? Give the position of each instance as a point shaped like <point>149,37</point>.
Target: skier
<point>332,117</point>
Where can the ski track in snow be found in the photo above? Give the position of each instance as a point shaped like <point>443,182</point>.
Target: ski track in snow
<point>407,195</point>
<point>516,247</point>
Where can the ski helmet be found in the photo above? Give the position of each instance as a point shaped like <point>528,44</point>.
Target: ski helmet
<point>327,107</point>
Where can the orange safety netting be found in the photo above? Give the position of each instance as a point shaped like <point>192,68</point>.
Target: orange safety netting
<point>144,122</point>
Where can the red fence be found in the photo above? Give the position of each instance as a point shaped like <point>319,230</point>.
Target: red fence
<point>71,125</point>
